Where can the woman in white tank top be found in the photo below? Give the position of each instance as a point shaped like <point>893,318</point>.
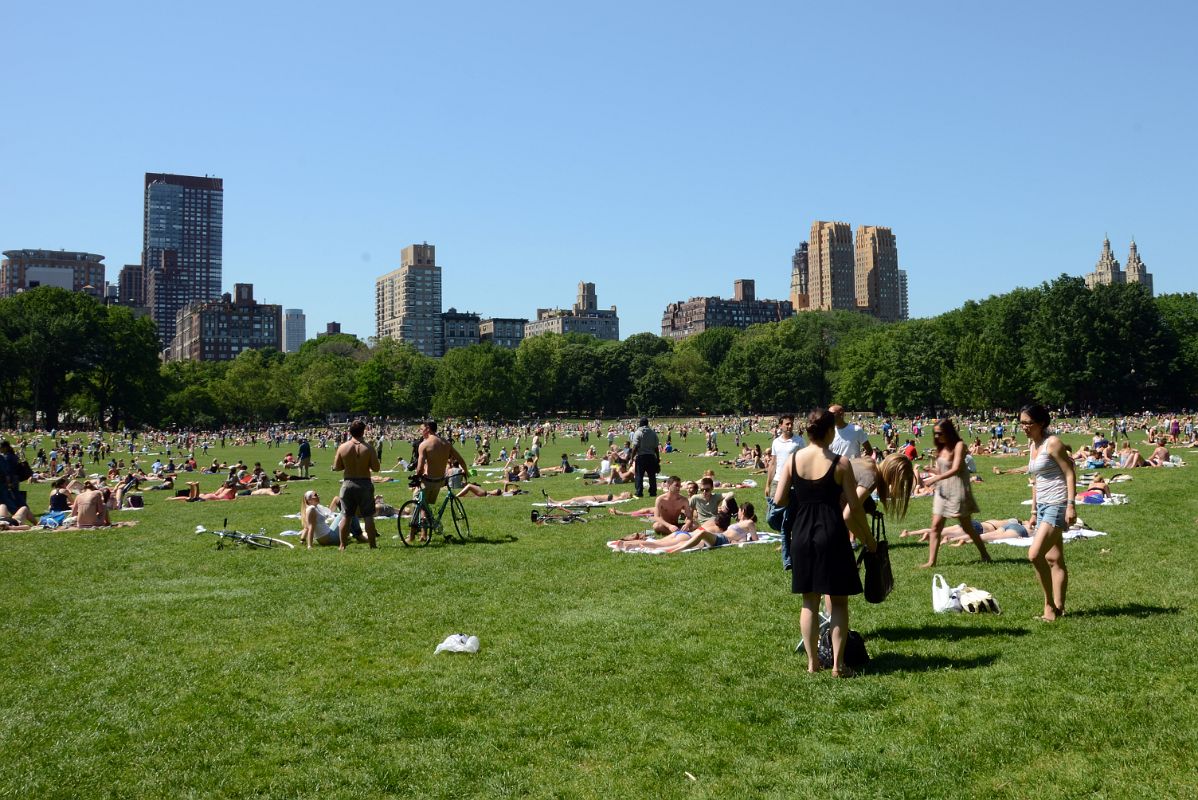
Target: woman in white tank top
<point>1053,488</point>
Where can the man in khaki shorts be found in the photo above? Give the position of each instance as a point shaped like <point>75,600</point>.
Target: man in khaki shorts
<point>357,460</point>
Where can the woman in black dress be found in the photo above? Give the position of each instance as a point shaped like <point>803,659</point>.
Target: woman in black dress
<point>821,554</point>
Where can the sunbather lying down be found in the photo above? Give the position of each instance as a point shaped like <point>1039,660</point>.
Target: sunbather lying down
<point>743,530</point>
<point>990,530</point>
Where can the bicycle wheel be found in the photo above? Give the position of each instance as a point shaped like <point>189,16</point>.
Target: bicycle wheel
<point>461,523</point>
<point>262,540</point>
<point>415,524</point>
<point>254,540</point>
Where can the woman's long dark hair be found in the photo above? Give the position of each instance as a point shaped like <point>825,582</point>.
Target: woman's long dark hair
<point>948,432</point>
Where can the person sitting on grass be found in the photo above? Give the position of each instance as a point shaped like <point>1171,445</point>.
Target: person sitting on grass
<point>318,528</point>
<point>89,508</point>
<point>743,530</point>
<point>1160,455</point>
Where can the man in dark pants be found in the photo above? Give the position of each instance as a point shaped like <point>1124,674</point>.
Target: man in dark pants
<point>644,452</point>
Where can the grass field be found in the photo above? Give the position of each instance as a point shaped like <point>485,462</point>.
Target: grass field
<point>143,662</point>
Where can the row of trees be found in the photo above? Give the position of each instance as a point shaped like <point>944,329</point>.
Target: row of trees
<point>1114,347</point>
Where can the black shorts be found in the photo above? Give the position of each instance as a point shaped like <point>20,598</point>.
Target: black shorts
<point>357,497</point>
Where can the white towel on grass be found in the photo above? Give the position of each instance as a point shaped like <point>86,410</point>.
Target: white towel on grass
<point>1070,535</point>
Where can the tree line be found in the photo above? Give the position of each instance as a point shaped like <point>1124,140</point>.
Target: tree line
<point>1111,348</point>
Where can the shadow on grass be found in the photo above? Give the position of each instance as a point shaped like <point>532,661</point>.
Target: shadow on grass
<point>887,663</point>
<point>1127,610</point>
<point>950,632</point>
<point>488,540</point>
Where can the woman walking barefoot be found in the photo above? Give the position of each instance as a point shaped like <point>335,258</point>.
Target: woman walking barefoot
<point>1052,500</point>
<point>953,497</point>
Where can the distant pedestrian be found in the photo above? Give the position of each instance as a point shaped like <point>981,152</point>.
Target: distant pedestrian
<point>644,451</point>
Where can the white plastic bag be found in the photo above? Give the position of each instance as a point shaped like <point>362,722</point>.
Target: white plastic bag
<point>458,643</point>
<point>944,598</point>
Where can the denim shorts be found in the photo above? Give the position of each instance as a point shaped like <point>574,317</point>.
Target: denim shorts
<point>1054,515</point>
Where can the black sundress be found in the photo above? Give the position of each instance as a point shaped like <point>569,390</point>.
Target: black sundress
<point>820,552</point>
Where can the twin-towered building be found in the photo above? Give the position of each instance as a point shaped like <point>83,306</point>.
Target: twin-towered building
<point>833,272</point>
<point>1107,270</point>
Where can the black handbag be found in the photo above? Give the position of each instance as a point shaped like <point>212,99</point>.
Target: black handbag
<point>855,654</point>
<point>879,576</point>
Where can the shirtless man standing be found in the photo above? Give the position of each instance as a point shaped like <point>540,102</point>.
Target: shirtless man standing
<point>357,460</point>
<point>669,507</point>
<point>432,457</point>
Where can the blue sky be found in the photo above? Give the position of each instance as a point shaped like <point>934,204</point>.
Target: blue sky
<point>661,150</point>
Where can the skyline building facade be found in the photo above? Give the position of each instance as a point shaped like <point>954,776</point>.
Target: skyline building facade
<point>295,329</point>
<point>67,269</point>
<point>831,267</point>
<point>1107,271</point>
<point>460,328</point>
<point>502,331</point>
<point>683,319</point>
<point>799,291</point>
<point>408,301</point>
<point>131,285</point>
<point>904,309</point>
<point>876,279</point>
<point>182,245</point>
<point>219,330</point>
<point>584,317</point>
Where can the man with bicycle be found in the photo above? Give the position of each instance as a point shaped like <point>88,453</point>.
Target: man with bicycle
<point>357,460</point>
<point>433,456</point>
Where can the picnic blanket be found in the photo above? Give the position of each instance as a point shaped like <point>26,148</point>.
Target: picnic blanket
<point>1115,499</point>
<point>762,538</point>
<point>587,504</point>
<point>1070,535</point>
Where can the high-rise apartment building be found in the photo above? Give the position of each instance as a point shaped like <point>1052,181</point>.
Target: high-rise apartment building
<point>295,329</point>
<point>698,314</point>
<point>218,330</point>
<point>1106,271</point>
<point>585,317</point>
<point>408,301</point>
<point>73,271</point>
<point>181,244</point>
<point>904,309</point>
<point>799,292</point>
<point>131,285</point>
<point>876,274</point>
<point>831,267</point>
<point>1136,271</point>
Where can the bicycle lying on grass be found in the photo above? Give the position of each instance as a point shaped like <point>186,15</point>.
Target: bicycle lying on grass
<point>417,524</point>
<point>257,540</point>
<point>559,514</point>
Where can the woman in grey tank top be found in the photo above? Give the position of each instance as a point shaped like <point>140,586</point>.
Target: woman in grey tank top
<point>1053,490</point>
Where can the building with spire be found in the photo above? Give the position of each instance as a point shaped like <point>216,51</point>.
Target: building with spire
<point>1135,271</point>
<point>1106,271</point>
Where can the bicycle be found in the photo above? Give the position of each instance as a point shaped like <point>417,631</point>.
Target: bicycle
<point>257,540</point>
<point>417,523</point>
<point>558,514</point>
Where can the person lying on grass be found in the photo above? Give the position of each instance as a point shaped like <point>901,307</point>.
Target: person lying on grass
<point>743,530</point>
<point>227,491</point>
<point>990,530</point>
<point>509,489</point>
<point>19,521</point>
<point>588,499</point>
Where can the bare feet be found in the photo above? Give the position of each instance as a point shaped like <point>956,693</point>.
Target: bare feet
<point>927,565</point>
<point>844,672</point>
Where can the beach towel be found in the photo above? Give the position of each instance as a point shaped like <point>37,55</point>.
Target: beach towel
<point>1114,500</point>
<point>1070,535</point>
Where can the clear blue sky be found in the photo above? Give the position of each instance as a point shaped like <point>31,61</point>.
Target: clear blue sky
<point>660,150</point>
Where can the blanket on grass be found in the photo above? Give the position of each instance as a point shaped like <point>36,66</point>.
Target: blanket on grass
<point>587,504</point>
<point>1114,500</point>
<point>1070,535</point>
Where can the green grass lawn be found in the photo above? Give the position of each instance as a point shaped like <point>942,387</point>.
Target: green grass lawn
<point>144,662</point>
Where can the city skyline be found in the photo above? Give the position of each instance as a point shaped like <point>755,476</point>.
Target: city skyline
<point>581,155</point>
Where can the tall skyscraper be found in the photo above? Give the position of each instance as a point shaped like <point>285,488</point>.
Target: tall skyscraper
<point>295,329</point>
<point>408,301</point>
<point>876,274</point>
<point>799,295</point>
<point>831,267</point>
<point>904,309</point>
<point>181,244</point>
<point>1136,271</point>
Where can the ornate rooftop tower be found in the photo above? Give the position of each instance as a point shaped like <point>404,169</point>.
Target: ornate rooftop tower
<point>1136,271</point>
<point>1107,270</point>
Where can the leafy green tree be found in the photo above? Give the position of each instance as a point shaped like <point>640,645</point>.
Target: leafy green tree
<point>191,400</point>
<point>125,383</point>
<point>247,391</point>
<point>1179,313</point>
<point>478,381</point>
<point>538,359</point>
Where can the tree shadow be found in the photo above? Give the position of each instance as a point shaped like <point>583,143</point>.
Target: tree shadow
<point>910,633</point>
<point>887,663</point>
<point>1126,610</point>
